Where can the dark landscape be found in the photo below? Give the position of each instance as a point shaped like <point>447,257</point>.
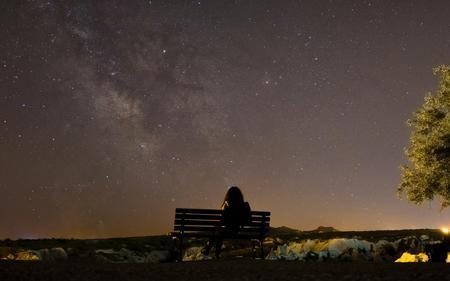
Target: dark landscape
<point>224,140</point>
<point>84,259</point>
<point>225,270</point>
<point>371,246</point>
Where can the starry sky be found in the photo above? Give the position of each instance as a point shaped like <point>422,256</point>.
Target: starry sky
<point>114,113</point>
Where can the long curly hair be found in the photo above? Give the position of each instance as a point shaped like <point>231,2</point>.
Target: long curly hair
<point>233,197</point>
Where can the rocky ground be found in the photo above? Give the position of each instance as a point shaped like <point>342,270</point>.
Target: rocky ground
<point>290,255</point>
<point>226,269</point>
<point>322,245</point>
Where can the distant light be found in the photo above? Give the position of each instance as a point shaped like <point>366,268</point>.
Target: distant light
<point>445,230</point>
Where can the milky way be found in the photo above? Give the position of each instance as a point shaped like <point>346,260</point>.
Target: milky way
<point>114,113</point>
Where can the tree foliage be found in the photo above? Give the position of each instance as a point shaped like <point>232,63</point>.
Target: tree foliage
<point>428,175</point>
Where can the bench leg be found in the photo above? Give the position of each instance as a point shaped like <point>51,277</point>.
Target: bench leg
<point>253,242</point>
<point>208,246</point>
<point>180,249</point>
<point>218,247</point>
<point>261,243</point>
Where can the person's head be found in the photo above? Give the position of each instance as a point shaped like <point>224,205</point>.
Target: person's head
<point>234,196</point>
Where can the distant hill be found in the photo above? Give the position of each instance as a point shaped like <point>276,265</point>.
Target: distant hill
<point>283,231</point>
<point>323,229</point>
<point>328,232</point>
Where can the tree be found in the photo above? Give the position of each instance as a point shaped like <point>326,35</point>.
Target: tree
<point>428,175</point>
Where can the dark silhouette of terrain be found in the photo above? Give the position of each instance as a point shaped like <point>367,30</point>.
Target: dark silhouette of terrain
<point>242,269</point>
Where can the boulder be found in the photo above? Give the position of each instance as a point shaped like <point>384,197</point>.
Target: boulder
<point>195,254</point>
<point>123,255</point>
<point>410,244</point>
<point>57,254</point>
<point>407,257</point>
<point>26,256</point>
<point>346,255</point>
<point>81,252</point>
<point>354,255</point>
<point>53,254</point>
<point>310,256</point>
<point>384,251</point>
<point>126,255</point>
<point>157,256</point>
<point>130,256</point>
<point>5,252</point>
<point>44,254</point>
<point>9,257</point>
<point>108,255</point>
<point>105,251</point>
<point>424,237</point>
<point>339,248</point>
<point>102,259</point>
<point>308,245</point>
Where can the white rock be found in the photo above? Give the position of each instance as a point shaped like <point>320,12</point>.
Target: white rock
<point>282,251</point>
<point>195,254</point>
<point>424,237</point>
<point>407,257</point>
<point>308,245</point>
<point>324,250</point>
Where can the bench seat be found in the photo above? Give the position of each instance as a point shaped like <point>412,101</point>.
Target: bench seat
<point>209,223</point>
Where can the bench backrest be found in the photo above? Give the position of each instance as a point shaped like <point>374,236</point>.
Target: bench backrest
<point>206,222</point>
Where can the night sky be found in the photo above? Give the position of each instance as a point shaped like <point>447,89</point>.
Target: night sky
<point>114,113</point>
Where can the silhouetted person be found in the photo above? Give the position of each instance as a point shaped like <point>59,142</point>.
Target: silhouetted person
<point>236,213</point>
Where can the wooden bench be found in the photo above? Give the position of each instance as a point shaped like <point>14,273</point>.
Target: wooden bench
<point>209,223</point>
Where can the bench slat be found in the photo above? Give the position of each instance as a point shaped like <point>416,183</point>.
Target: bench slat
<point>198,216</point>
<point>209,223</point>
<point>208,234</point>
<point>198,211</point>
<point>213,223</point>
<point>213,211</point>
<point>214,217</point>
<point>215,229</point>
<point>201,234</point>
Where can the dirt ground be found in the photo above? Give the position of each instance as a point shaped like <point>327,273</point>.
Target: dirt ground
<point>229,270</point>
